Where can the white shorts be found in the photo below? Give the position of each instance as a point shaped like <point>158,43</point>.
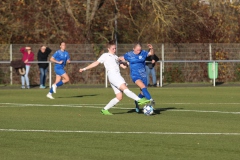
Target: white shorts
<point>116,80</point>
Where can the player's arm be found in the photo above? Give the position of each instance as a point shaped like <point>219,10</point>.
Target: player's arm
<point>68,59</point>
<point>52,59</point>
<point>151,51</point>
<point>123,66</point>
<point>122,63</point>
<point>121,58</point>
<point>92,65</point>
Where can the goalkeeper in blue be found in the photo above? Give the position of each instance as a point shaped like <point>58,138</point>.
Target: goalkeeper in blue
<point>118,84</point>
<point>136,59</point>
<point>60,58</point>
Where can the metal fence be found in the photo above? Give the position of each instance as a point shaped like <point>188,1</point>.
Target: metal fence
<point>181,63</point>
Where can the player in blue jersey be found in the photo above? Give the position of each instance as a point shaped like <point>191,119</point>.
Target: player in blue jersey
<point>60,58</point>
<point>118,84</point>
<point>136,59</point>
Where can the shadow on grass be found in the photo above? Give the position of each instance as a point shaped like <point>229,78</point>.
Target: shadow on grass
<point>156,110</point>
<point>80,96</point>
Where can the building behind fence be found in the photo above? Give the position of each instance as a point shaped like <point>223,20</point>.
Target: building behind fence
<point>172,71</point>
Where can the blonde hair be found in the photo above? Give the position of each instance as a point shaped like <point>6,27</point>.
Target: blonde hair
<point>137,44</point>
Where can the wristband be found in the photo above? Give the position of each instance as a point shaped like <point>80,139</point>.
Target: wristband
<point>84,69</point>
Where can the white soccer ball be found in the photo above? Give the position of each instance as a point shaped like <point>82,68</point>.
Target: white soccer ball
<point>148,110</point>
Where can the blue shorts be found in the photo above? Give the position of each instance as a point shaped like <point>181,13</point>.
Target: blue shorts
<point>59,72</point>
<point>143,79</point>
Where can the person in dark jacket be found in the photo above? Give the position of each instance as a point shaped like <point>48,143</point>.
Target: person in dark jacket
<point>43,54</point>
<point>151,60</point>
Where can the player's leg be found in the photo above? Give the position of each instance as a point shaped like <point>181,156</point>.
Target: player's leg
<point>132,95</point>
<point>58,81</point>
<point>143,88</point>
<point>51,91</point>
<point>113,102</point>
<point>61,78</point>
<point>141,83</point>
<point>64,79</point>
<point>141,96</point>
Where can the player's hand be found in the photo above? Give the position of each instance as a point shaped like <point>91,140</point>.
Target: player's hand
<point>125,63</point>
<point>150,46</point>
<point>153,61</point>
<point>26,61</point>
<point>121,58</point>
<point>60,62</point>
<point>123,66</point>
<point>81,70</point>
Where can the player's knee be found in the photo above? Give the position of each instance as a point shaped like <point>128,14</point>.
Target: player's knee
<point>119,97</point>
<point>66,79</point>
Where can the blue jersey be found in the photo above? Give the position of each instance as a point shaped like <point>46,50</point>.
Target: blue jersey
<point>61,56</point>
<point>137,64</point>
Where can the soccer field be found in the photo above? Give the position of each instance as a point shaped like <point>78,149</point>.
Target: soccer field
<point>190,124</point>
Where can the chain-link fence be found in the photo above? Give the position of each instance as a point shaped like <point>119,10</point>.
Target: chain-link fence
<point>84,54</point>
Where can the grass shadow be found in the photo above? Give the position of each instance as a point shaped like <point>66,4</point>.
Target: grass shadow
<point>159,110</point>
<point>156,110</point>
<point>80,96</point>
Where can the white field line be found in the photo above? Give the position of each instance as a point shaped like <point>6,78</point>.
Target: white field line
<point>116,132</point>
<point>201,111</point>
<point>101,106</point>
<point>59,105</point>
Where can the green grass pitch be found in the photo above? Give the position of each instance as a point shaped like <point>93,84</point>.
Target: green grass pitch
<point>198,123</point>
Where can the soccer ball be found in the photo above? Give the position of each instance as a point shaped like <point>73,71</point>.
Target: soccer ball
<point>148,110</point>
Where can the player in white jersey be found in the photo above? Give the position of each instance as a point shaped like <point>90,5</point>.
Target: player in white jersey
<point>112,63</point>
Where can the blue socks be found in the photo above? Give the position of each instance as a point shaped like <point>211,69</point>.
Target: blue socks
<point>60,83</point>
<point>51,91</point>
<point>140,96</point>
<point>146,93</point>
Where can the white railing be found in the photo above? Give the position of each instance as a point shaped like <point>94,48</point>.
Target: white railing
<point>50,69</point>
<point>192,61</point>
<point>161,63</point>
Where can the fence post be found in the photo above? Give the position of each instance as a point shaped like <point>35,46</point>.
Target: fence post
<point>161,71</point>
<point>11,78</point>
<point>210,51</point>
<point>163,56</point>
<point>213,73</point>
<point>50,74</point>
<point>106,84</point>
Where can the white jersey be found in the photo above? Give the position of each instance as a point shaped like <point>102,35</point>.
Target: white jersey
<point>110,62</point>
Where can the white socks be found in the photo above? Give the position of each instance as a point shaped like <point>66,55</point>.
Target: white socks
<point>130,94</point>
<point>112,103</point>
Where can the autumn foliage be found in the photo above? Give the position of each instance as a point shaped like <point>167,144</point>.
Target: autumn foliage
<point>93,21</point>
